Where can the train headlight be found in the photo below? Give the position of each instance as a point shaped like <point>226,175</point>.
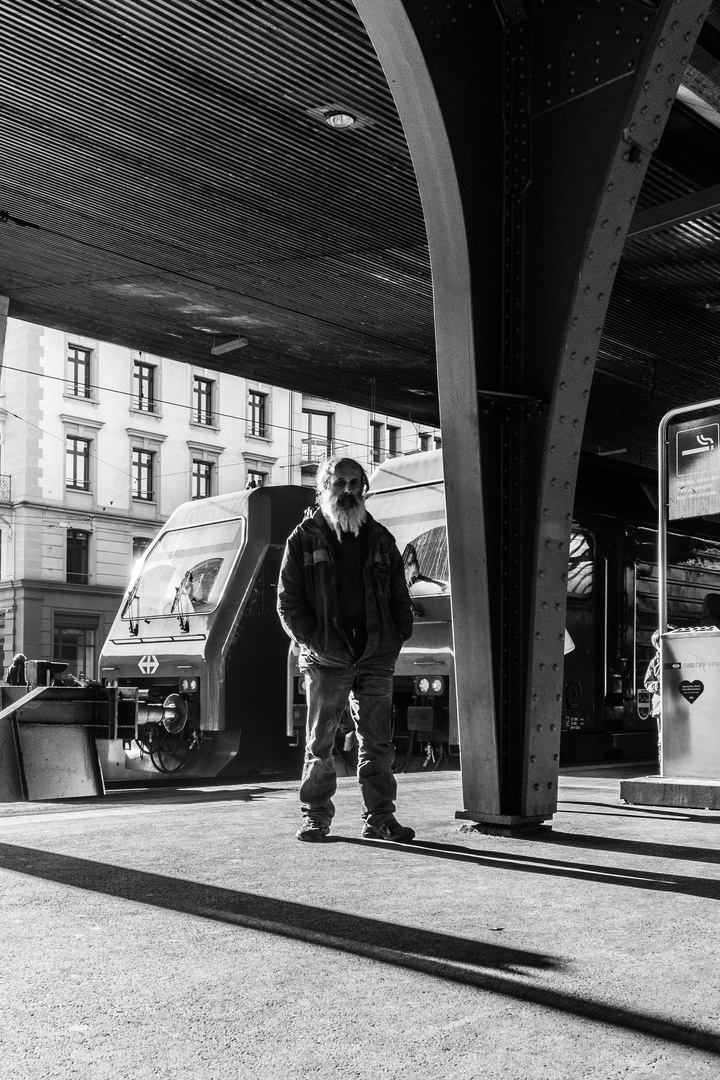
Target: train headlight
<point>301,685</point>
<point>188,685</point>
<point>429,685</point>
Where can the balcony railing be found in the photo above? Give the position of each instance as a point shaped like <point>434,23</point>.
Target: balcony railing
<point>314,450</point>
<point>4,488</point>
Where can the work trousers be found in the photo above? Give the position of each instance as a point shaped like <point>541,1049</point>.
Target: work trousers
<point>328,690</point>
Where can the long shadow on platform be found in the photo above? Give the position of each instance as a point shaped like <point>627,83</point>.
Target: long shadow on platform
<point>632,847</point>
<point>537,864</point>
<point>462,960</point>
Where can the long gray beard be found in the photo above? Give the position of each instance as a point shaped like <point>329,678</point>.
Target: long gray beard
<point>342,519</point>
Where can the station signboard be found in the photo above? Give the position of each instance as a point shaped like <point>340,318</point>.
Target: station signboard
<point>693,471</point>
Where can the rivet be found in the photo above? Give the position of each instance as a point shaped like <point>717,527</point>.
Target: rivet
<point>558,697</point>
<point>550,785</point>
<point>535,697</point>
<point>536,787</point>
<point>538,727</point>
<point>541,667</point>
<point>538,636</point>
<point>556,757</point>
<point>544,605</point>
<point>552,727</point>
<point>532,758</point>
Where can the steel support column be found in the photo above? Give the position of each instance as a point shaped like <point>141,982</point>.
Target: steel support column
<point>530,125</point>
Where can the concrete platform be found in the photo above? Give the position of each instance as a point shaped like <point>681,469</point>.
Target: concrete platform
<point>187,934</point>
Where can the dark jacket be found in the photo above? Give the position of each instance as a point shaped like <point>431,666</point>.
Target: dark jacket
<point>308,597</point>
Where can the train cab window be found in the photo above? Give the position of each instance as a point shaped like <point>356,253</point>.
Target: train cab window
<point>580,566</point>
<point>186,571</point>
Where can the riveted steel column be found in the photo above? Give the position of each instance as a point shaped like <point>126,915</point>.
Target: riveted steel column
<point>589,160</point>
<point>528,198</point>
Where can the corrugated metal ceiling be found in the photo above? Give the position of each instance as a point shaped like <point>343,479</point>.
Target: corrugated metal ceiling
<point>182,188</point>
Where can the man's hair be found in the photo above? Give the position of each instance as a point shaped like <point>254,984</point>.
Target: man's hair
<point>325,473</point>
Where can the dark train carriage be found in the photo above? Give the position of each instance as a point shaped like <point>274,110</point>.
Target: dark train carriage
<point>612,608</point>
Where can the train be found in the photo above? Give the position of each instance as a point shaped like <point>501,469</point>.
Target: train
<point>612,612</point>
<point>198,644</point>
<point>197,680</point>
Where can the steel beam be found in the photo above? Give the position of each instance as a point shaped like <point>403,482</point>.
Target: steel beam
<point>530,125</point>
<point>688,208</point>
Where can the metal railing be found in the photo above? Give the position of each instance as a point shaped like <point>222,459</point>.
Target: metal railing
<point>4,488</point>
<point>314,450</point>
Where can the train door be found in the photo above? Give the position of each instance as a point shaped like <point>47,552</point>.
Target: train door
<point>583,607</point>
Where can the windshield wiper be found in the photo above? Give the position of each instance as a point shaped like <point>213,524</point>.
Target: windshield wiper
<point>182,590</point>
<point>133,624</point>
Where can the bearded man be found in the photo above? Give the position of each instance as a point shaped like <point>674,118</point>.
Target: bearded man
<point>343,598</point>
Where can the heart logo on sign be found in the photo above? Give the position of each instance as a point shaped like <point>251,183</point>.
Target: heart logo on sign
<point>691,691</point>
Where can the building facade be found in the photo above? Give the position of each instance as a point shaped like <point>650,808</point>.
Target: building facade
<point>99,444</point>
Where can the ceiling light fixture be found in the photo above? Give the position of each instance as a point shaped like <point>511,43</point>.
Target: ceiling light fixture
<point>339,120</point>
<point>229,346</point>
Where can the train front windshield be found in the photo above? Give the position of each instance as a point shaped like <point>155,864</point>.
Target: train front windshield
<point>186,571</point>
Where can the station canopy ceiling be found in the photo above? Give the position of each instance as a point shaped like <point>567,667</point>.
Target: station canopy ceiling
<point>168,182</point>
